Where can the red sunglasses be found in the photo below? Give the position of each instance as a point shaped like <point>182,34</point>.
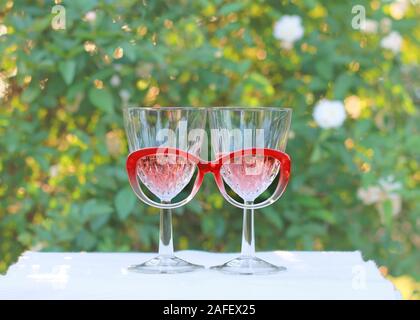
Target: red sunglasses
<point>205,167</point>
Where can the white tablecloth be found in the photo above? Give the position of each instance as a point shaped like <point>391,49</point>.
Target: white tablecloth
<point>309,275</point>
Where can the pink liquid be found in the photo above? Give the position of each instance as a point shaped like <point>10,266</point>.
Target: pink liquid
<point>250,175</point>
<point>165,175</point>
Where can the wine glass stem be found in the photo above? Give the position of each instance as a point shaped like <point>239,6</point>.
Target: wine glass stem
<point>166,247</point>
<point>248,240</point>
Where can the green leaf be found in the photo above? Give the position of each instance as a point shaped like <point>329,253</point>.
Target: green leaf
<point>317,84</point>
<point>67,70</point>
<point>316,154</point>
<point>325,69</point>
<point>124,202</point>
<point>261,83</point>
<point>30,94</point>
<point>85,240</point>
<point>129,52</point>
<point>322,214</point>
<point>102,99</point>
<point>41,24</point>
<point>231,7</point>
<point>93,208</point>
<point>273,216</point>
<point>83,5</point>
<point>387,210</point>
<point>342,85</point>
<point>74,90</point>
<point>99,221</point>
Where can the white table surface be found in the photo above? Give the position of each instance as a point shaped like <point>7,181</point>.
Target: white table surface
<point>309,275</point>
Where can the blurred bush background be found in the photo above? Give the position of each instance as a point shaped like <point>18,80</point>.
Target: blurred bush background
<point>355,181</point>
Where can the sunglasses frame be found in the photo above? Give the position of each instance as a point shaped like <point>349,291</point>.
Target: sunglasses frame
<point>205,167</point>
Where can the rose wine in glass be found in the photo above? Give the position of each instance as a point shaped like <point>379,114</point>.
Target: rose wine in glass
<point>250,175</point>
<point>165,175</point>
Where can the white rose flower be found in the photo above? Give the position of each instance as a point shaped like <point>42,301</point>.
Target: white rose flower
<point>54,170</point>
<point>115,80</point>
<point>3,86</point>
<point>370,26</point>
<point>392,42</point>
<point>399,8</point>
<point>3,30</point>
<point>379,194</point>
<point>125,95</point>
<point>389,185</point>
<point>329,114</point>
<point>370,195</point>
<point>288,29</point>
<point>90,16</point>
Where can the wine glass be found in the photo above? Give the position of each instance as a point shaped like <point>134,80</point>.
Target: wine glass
<point>165,145</point>
<point>249,145</point>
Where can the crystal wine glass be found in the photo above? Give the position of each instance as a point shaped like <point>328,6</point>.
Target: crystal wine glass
<point>249,145</point>
<point>165,145</point>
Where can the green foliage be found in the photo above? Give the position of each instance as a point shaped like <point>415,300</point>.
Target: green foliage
<point>63,184</point>
<point>124,202</point>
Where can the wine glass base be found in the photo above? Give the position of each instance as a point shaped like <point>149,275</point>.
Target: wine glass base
<point>247,266</point>
<point>165,264</point>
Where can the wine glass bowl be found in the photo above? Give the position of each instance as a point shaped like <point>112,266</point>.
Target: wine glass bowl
<point>165,175</point>
<point>250,175</point>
